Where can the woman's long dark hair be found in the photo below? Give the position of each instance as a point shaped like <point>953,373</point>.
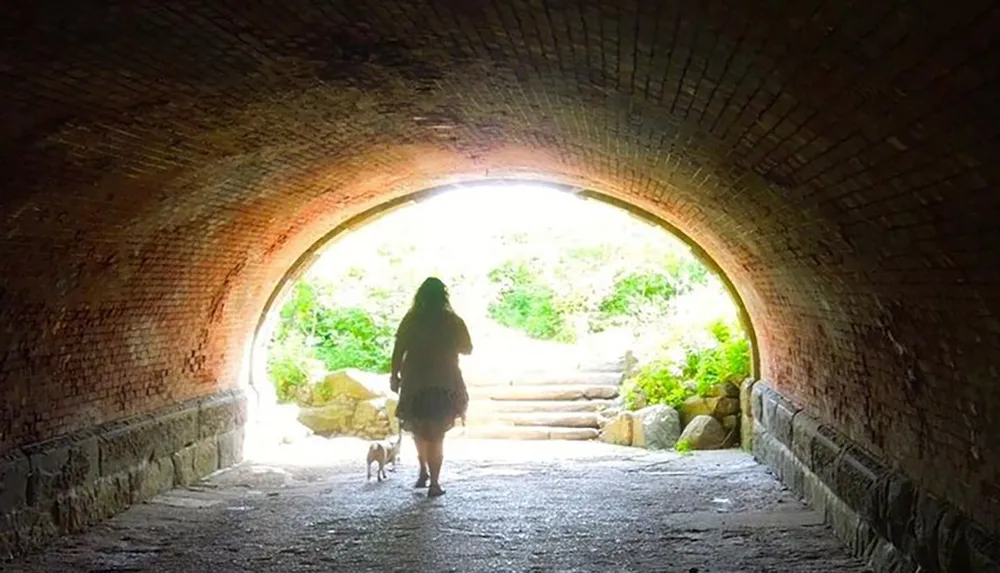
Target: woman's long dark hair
<point>431,297</point>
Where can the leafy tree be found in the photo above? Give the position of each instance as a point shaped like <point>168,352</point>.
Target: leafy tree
<point>636,293</point>
<point>527,304</point>
<point>351,338</point>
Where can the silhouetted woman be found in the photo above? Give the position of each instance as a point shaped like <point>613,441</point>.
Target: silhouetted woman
<point>425,371</point>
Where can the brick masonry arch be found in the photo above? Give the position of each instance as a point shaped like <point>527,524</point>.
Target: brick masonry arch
<point>164,163</point>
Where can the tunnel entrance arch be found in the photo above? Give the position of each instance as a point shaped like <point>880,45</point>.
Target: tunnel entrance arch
<point>257,373</point>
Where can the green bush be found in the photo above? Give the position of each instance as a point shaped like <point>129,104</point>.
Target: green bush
<point>638,297</point>
<point>309,331</point>
<point>671,382</point>
<point>658,382</point>
<point>527,304</point>
<point>351,338</point>
<point>634,293</point>
<point>727,361</point>
<point>288,364</point>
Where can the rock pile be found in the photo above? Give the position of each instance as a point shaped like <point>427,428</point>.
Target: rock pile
<point>653,427</point>
<point>349,402</point>
<point>709,422</point>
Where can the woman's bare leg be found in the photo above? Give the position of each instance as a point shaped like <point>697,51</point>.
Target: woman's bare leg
<point>435,458</point>
<point>422,459</point>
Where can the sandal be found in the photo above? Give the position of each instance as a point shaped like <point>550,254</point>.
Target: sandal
<point>435,491</point>
<point>421,481</point>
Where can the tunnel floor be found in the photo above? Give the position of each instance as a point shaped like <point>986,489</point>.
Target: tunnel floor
<point>536,506</point>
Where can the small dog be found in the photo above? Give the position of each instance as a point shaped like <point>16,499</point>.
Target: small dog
<point>385,452</point>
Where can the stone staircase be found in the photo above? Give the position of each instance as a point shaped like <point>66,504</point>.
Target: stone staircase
<point>558,402</point>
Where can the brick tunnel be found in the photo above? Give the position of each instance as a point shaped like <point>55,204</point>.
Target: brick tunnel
<point>165,165</point>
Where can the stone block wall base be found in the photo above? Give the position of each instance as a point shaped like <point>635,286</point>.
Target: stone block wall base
<point>746,415</point>
<point>64,485</point>
<point>881,515</point>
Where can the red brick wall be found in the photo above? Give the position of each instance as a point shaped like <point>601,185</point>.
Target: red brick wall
<point>163,163</point>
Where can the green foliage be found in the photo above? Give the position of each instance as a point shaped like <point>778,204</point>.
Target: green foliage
<point>635,298</point>
<point>351,338</point>
<point>311,331</point>
<point>531,309</point>
<point>686,272</point>
<point>511,273</point>
<point>621,277</point>
<point>594,255</point>
<point>658,382</point>
<point>323,393</point>
<point>683,447</point>
<point>727,361</point>
<point>528,304</point>
<point>671,381</point>
<point>288,366</point>
<point>643,297</point>
<point>634,293</point>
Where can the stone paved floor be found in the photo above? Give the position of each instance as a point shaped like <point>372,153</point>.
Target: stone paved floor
<point>529,506</point>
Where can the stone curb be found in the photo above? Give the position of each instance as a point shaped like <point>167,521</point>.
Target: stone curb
<point>879,513</point>
<point>65,484</point>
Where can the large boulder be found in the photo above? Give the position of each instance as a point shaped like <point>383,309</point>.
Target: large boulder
<point>354,384</point>
<point>696,406</point>
<point>729,423</point>
<point>304,394</point>
<point>366,416</point>
<point>363,418</point>
<point>331,419</point>
<point>390,413</point>
<point>350,402</point>
<point>716,406</point>
<point>656,427</point>
<point>618,431</point>
<point>724,390</point>
<point>704,433</point>
<point>726,406</point>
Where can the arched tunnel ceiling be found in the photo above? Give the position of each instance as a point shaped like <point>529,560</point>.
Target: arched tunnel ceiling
<point>164,163</point>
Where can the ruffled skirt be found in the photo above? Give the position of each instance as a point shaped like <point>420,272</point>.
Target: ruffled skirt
<point>430,412</point>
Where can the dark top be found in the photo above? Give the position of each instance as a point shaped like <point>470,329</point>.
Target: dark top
<point>430,343</point>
